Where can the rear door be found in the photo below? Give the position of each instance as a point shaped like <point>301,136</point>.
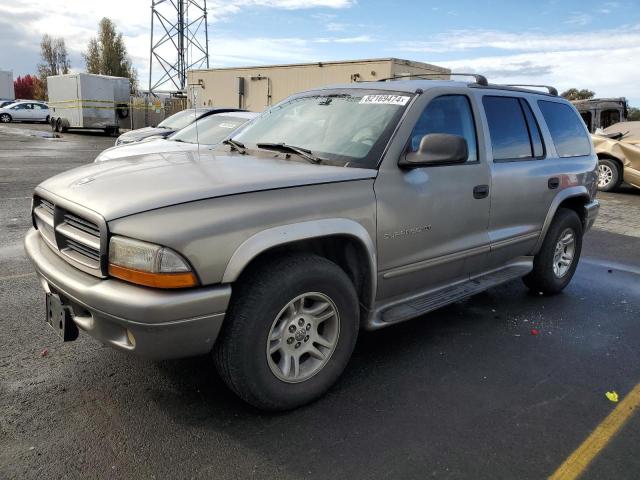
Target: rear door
<point>523,186</point>
<point>39,112</point>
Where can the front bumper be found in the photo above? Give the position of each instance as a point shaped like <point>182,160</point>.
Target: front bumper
<point>591,210</point>
<point>158,324</point>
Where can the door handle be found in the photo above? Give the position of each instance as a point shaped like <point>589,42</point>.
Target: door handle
<point>480,191</point>
<point>553,183</point>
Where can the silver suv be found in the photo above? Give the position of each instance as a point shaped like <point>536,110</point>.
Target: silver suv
<point>346,207</point>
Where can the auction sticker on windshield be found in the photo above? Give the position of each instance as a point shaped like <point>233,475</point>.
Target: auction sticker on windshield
<point>385,99</point>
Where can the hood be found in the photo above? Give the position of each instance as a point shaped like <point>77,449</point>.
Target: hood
<point>147,147</point>
<point>122,187</point>
<point>140,133</point>
<point>627,153</point>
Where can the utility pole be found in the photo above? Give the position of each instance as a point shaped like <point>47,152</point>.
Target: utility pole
<point>179,42</point>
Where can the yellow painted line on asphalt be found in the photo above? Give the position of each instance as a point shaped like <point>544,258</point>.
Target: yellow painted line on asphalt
<point>580,459</point>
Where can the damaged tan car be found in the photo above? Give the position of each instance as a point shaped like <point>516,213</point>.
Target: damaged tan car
<point>618,149</point>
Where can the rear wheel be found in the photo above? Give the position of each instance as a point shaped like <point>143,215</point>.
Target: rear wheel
<point>5,118</point>
<point>290,332</point>
<point>557,260</point>
<point>609,175</point>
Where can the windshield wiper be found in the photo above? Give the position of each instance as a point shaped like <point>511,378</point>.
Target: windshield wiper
<point>235,145</point>
<point>284,147</point>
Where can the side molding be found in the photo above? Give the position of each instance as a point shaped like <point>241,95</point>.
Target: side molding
<point>272,237</point>
<point>579,191</point>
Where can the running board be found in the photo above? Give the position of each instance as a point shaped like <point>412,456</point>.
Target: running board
<point>397,312</point>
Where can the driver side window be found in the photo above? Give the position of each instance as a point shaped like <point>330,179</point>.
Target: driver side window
<point>447,114</point>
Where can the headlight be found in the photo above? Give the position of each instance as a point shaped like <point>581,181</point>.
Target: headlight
<point>148,264</point>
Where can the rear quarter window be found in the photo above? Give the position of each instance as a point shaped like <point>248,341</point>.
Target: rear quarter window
<point>567,129</point>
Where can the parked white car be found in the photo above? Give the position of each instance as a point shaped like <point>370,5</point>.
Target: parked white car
<point>24,112</point>
<point>203,133</point>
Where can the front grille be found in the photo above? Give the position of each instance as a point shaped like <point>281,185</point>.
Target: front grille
<point>74,236</point>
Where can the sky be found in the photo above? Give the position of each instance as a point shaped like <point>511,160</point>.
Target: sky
<point>565,43</point>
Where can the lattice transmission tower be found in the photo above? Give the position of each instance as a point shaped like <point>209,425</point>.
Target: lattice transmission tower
<point>183,42</point>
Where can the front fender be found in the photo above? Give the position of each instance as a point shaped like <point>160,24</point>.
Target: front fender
<point>284,234</point>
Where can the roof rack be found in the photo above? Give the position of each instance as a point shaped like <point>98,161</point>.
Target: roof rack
<point>552,90</point>
<point>480,79</point>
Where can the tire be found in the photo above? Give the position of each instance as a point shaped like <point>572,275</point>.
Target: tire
<point>58,127</point>
<point>5,118</point>
<point>551,274</point>
<point>46,120</point>
<point>258,312</point>
<point>609,175</point>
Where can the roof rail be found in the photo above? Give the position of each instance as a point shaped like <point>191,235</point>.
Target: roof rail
<point>552,90</point>
<point>480,79</point>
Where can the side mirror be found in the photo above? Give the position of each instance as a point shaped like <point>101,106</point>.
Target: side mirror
<point>437,149</point>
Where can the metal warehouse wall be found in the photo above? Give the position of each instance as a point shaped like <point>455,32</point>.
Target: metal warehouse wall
<point>267,85</point>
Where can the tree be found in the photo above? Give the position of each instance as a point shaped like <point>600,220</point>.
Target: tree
<point>575,94</point>
<point>28,87</point>
<point>634,114</point>
<point>55,61</point>
<point>107,54</point>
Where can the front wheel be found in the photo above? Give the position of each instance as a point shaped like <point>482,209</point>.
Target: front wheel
<point>289,333</point>
<point>5,118</point>
<point>557,260</point>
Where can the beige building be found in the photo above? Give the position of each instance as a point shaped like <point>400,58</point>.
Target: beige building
<point>255,88</point>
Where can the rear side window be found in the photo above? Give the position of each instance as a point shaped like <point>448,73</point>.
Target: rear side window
<point>513,129</point>
<point>534,130</point>
<point>567,130</point>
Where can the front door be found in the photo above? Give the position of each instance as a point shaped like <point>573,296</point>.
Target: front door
<point>21,112</point>
<point>432,229</point>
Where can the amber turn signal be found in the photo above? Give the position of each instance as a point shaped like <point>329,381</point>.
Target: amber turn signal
<point>156,280</point>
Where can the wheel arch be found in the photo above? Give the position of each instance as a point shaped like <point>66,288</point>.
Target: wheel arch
<point>573,198</point>
<point>345,242</point>
<point>608,156</point>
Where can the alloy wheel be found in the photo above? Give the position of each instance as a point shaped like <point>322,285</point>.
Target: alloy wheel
<point>605,175</point>
<point>564,253</point>
<point>303,337</point>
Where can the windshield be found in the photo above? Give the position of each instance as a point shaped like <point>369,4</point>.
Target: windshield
<point>350,125</point>
<point>209,130</point>
<point>179,120</point>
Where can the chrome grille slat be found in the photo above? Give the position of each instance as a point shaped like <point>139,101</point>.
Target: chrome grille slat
<point>80,236</point>
<point>82,224</point>
<point>88,252</point>
<point>46,205</point>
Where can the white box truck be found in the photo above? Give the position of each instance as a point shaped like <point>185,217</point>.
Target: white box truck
<point>85,100</point>
<point>6,85</point>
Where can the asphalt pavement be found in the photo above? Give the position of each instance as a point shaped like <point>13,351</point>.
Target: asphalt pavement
<point>505,385</point>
